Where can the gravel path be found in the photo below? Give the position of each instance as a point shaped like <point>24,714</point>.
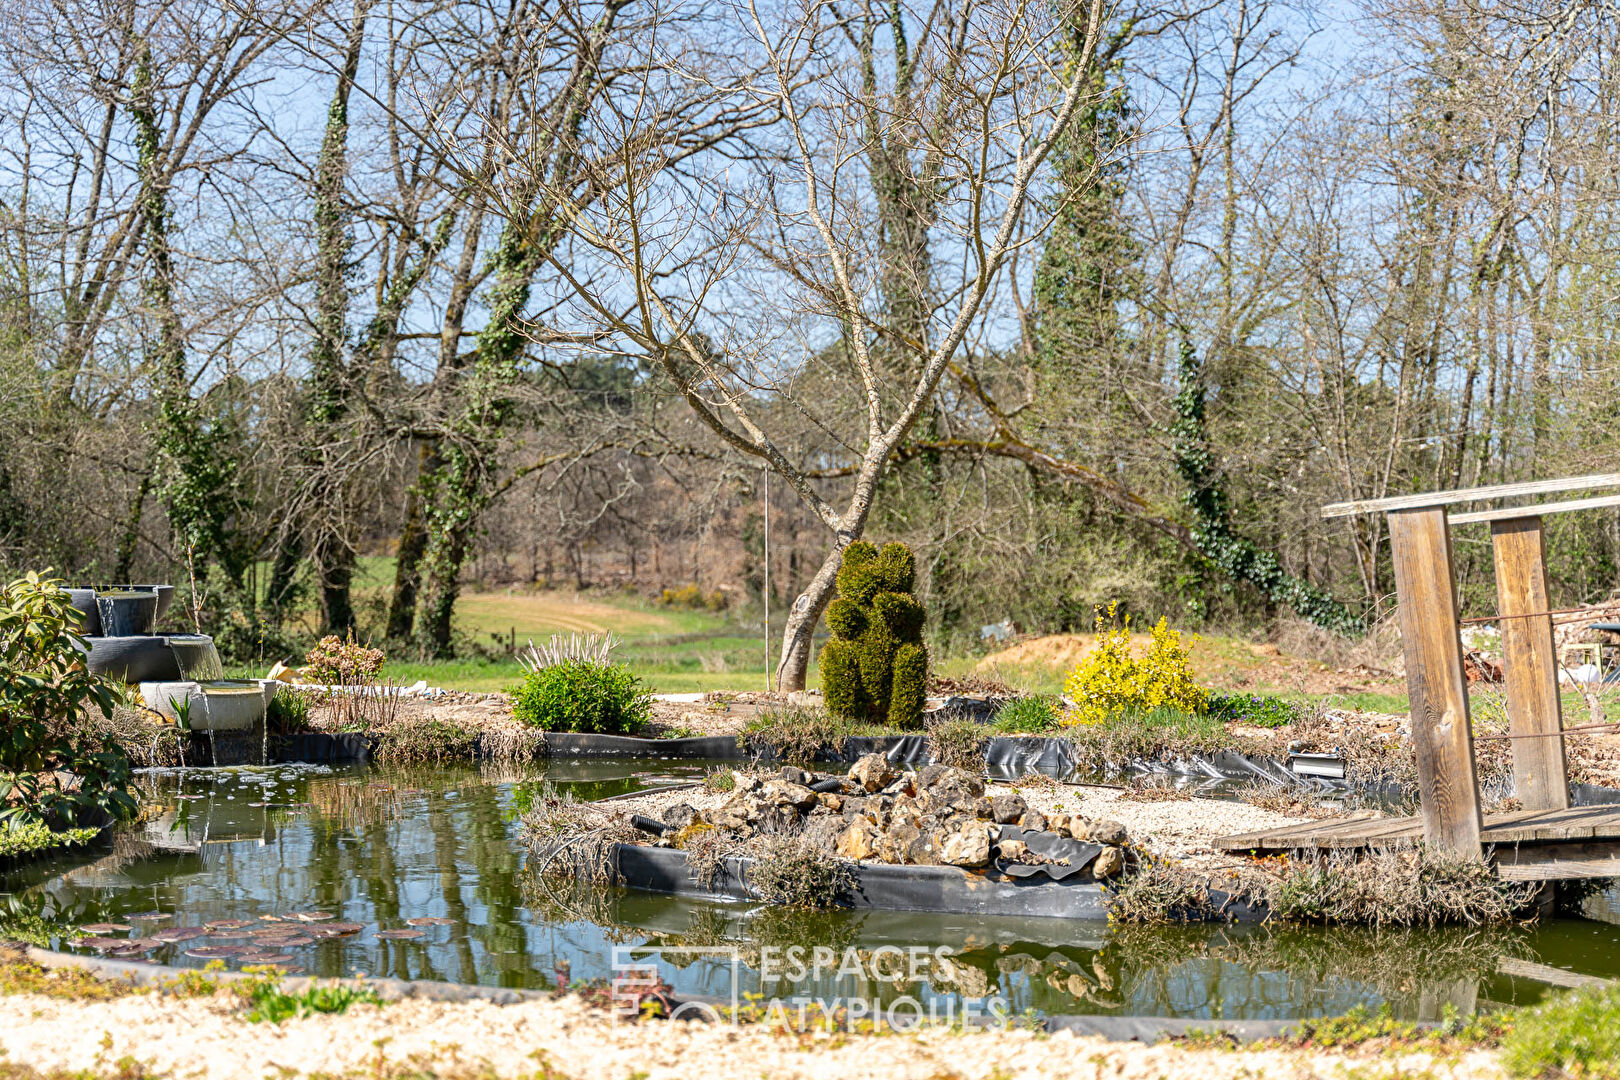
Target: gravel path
<point>202,1039</point>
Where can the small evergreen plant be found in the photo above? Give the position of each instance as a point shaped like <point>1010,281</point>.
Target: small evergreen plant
<point>876,665</point>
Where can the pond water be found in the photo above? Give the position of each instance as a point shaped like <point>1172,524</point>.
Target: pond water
<point>380,847</point>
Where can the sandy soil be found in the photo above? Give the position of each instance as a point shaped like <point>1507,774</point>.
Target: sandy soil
<point>1223,663</point>
<point>204,1039</point>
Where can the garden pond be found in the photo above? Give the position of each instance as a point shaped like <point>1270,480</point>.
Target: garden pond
<point>430,865</point>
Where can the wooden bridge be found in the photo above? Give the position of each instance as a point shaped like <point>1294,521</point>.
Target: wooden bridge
<point>1548,839</point>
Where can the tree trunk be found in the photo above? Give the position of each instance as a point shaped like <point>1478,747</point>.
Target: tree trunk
<point>798,636</point>
<point>336,563</point>
<point>408,555</point>
<point>329,377</point>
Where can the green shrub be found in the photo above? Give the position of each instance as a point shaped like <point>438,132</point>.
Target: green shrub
<point>46,697</point>
<point>1027,716</point>
<point>1575,1035</point>
<point>579,696</point>
<point>1257,710</point>
<point>876,665</point>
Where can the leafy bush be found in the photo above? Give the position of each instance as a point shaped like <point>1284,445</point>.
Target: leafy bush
<point>693,598</point>
<point>1111,679</point>
<point>339,662</point>
<point>1257,710</point>
<point>56,766</point>
<point>1027,715</point>
<point>579,696</point>
<point>876,665</point>
<point>1574,1035</point>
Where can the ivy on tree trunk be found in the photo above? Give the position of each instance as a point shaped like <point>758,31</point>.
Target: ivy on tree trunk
<point>1205,498</point>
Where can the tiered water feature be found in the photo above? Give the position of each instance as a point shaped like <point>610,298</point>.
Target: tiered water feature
<point>178,675</point>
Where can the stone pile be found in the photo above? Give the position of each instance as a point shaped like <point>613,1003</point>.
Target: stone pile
<point>935,816</point>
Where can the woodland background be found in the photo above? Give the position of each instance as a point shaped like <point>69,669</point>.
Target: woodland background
<point>288,282</point>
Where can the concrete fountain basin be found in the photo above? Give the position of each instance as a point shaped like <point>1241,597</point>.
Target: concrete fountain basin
<point>216,705</point>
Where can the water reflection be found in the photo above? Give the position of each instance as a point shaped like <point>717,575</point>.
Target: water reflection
<point>384,847</point>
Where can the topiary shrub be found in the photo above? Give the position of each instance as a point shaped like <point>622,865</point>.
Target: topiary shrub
<point>576,695</point>
<point>876,665</point>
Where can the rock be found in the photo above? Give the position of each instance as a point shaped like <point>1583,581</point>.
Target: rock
<point>741,781</point>
<point>1059,823</point>
<point>796,776</point>
<point>1080,828</point>
<point>872,772</point>
<point>1110,862</point>
<point>859,841</point>
<point>782,793</point>
<point>1111,833</point>
<point>680,815</point>
<point>968,845</point>
<point>1077,985</point>
<point>1013,850</point>
<point>923,851</point>
<point>1033,820</point>
<point>832,802</point>
<point>733,815</point>
<point>1007,809</point>
<point>893,844</point>
<point>946,778</point>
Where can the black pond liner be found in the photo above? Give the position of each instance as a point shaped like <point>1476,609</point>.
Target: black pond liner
<point>1146,1029</point>
<point>946,890</point>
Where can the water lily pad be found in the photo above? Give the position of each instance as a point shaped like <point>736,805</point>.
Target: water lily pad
<point>180,933</point>
<point>338,929</point>
<point>399,935</point>
<point>217,952</point>
<point>265,958</point>
<point>430,920</point>
<point>229,935</point>
<point>310,916</point>
<point>288,942</point>
<point>228,924</point>
<point>149,916</point>
<point>106,928</point>
<point>100,944</point>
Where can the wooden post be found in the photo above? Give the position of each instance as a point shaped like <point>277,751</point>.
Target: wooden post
<point>1530,665</point>
<point>1426,591</point>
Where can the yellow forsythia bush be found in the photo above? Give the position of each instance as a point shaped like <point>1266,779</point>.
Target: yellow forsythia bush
<point>1111,680</point>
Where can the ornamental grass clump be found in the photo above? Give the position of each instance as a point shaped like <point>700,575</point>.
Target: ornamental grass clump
<point>1112,680</point>
<point>574,693</point>
<point>876,665</point>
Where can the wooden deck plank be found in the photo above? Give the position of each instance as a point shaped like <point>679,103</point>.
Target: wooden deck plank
<point>1558,862</point>
<point>1573,826</point>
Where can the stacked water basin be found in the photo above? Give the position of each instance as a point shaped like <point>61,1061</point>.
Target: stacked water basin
<point>179,675</point>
